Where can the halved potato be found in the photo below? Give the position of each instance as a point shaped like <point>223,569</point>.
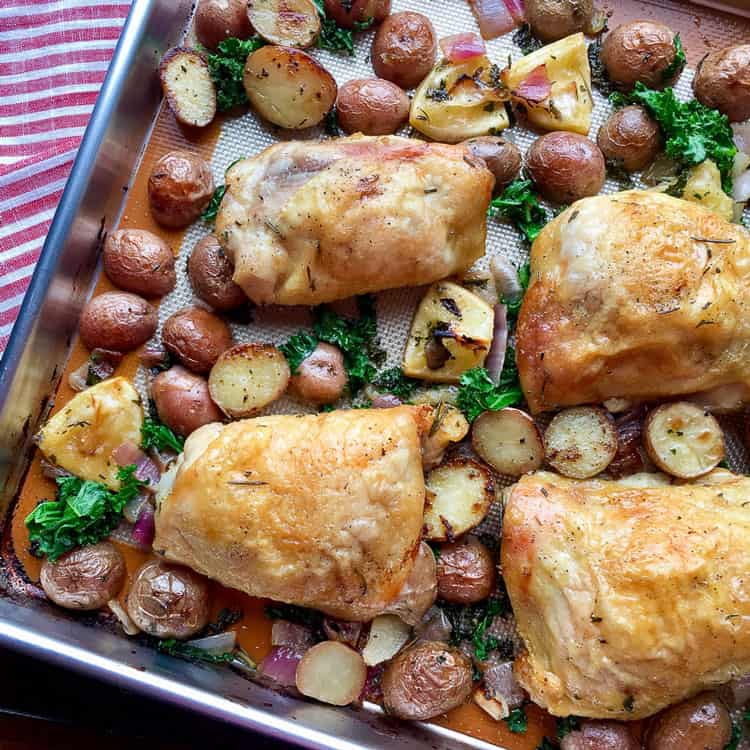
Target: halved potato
<point>81,437</point>
<point>458,497</point>
<point>684,440</point>
<point>580,442</point>
<point>497,709</point>
<point>388,634</point>
<point>460,100</point>
<point>291,23</point>
<point>248,377</point>
<point>553,85</point>
<point>703,186</point>
<point>332,673</point>
<point>508,440</point>
<point>188,86</point>
<point>451,333</point>
<point>288,87</point>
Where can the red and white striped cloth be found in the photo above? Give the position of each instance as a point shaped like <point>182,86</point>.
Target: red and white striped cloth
<point>53,59</point>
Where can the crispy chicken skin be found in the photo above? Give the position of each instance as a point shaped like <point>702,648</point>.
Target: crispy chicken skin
<point>308,222</point>
<point>627,599</point>
<point>324,511</point>
<point>635,295</point>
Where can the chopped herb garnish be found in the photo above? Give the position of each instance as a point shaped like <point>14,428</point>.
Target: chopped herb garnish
<point>678,63</point>
<point>394,381</point>
<point>155,434</point>
<point>84,512</point>
<point>331,123</point>
<point>477,392</point>
<point>298,348</point>
<point>227,67</point>
<point>517,721</point>
<point>210,211</point>
<point>520,205</point>
<point>599,76</point>
<point>734,741</point>
<point>439,93</point>
<point>524,39</point>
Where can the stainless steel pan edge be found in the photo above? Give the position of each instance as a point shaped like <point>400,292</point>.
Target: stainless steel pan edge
<point>29,371</point>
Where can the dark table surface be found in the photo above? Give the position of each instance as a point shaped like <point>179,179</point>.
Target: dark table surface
<point>42,706</point>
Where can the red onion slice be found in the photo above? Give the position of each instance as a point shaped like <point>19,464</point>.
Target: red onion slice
<point>343,631</point>
<point>145,529</point>
<point>499,678</point>
<point>536,87</point>
<point>146,470</point>
<point>292,635</point>
<point>372,690</point>
<point>460,47</point>
<point>281,665</point>
<point>496,356</point>
<point>78,379</point>
<point>493,17</point>
<point>516,9</point>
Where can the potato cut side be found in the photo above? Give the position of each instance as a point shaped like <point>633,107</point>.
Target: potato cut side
<point>188,86</point>
<point>451,333</point>
<point>248,377</point>
<point>581,442</point>
<point>495,707</point>
<point>288,87</point>
<point>332,673</point>
<point>684,440</point>
<point>388,635</point>
<point>460,100</point>
<point>561,70</point>
<point>509,441</point>
<point>291,23</point>
<point>459,495</point>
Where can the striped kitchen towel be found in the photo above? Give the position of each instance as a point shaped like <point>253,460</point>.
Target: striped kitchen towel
<point>53,59</point>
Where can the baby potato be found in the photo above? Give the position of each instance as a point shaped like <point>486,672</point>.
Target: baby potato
<point>347,13</point>
<point>183,401</point>
<point>566,166</point>
<point>210,272</point>
<point>372,106</point>
<point>168,601</point>
<point>597,735</point>
<point>120,321</point>
<point>188,87</point>
<point>321,377</point>
<point>700,723</point>
<point>722,81</point>
<point>640,51</point>
<point>85,578</point>
<point>196,338</point>
<point>551,20</point>
<point>288,87</point>
<point>217,20</point>
<point>179,188</point>
<point>404,49</point>
<point>140,262</point>
<point>465,571</point>
<point>630,137</point>
<point>502,157</point>
<point>426,680</point>
<point>292,23</point>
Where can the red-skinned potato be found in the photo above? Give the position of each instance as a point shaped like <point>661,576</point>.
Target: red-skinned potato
<point>566,166</point>
<point>321,377</point>
<point>502,158</point>
<point>196,338</point>
<point>554,19</point>
<point>217,20</point>
<point>404,49</point>
<point>188,86</point>
<point>700,723</point>
<point>119,321</point>
<point>465,571</point>
<point>630,137</point>
<point>140,262</point>
<point>600,735</point>
<point>372,106</point>
<point>180,186</point>
<point>722,81</point>
<point>347,13</point>
<point>210,272</point>
<point>183,401</point>
<point>291,23</point>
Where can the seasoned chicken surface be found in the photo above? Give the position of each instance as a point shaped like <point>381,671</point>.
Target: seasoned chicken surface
<point>308,222</point>
<point>628,599</point>
<point>636,295</point>
<point>323,511</point>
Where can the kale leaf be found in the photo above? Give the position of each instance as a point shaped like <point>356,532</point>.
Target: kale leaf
<point>298,348</point>
<point>155,434</point>
<point>692,131</point>
<point>734,740</point>
<point>227,67</point>
<point>678,63</point>
<point>520,205</point>
<point>566,725</point>
<point>517,721</point>
<point>185,651</point>
<point>210,211</point>
<point>84,512</point>
<point>333,37</point>
<point>477,392</point>
<point>394,381</point>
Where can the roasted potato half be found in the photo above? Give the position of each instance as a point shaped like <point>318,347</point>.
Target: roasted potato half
<point>288,87</point>
<point>248,377</point>
<point>291,23</point>
<point>349,13</point>
<point>580,442</point>
<point>451,333</point>
<point>684,440</point>
<point>508,440</point>
<point>188,86</point>
<point>331,672</point>
<point>388,635</point>
<point>458,497</point>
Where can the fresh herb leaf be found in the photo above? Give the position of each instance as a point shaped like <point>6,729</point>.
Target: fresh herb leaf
<point>331,123</point>
<point>484,644</point>
<point>185,651</point>
<point>517,721</point>
<point>298,348</point>
<point>734,741</point>
<point>566,725</point>
<point>227,67</point>
<point>394,381</point>
<point>364,25</point>
<point>599,76</point>
<point>524,39</point>
<point>332,37</point>
<point>692,131</point>
<point>224,620</point>
<point>210,211</point>
<point>513,306</point>
<point>678,63</point>
<point>519,204</point>
<point>477,392</point>
<point>84,512</point>
<point>155,434</point>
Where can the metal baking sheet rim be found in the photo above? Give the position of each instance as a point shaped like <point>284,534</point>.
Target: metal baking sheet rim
<point>65,271</point>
